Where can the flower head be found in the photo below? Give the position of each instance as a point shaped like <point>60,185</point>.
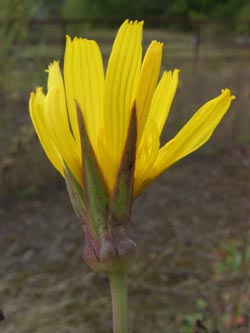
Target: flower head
<point>101,130</point>
<point>106,101</point>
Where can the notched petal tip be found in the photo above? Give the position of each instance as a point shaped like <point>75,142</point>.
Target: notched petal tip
<point>39,89</point>
<point>52,65</point>
<point>37,92</point>
<point>68,38</point>
<point>155,47</point>
<point>227,93</point>
<point>78,39</point>
<point>156,43</point>
<point>132,22</point>
<point>174,73</point>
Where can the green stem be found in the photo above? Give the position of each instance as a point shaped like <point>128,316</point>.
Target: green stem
<point>118,287</point>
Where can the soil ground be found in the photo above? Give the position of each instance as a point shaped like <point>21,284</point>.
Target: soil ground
<point>181,224</point>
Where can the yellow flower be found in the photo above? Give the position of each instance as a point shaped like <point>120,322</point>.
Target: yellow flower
<point>106,101</point>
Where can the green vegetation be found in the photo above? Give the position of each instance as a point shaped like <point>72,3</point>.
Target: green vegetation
<point>172,12</point>
<point>175,12</point>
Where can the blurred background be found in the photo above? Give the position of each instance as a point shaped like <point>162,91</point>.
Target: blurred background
<point>191,225</point>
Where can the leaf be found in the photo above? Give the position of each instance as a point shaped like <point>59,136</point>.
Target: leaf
<point>95,191</point>
<point>75,194</point>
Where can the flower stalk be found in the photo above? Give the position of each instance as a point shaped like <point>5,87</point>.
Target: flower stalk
<point>118,287</point>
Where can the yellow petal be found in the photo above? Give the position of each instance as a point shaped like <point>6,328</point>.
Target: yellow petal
<point>120,86</point>
<point>84,82</point>
<point>36,107</point>
<point>58,129</point>
<point>195,133</point>
<point>147,83</point>
<point>57,121</point>
<point>146,155</point>
<point>69,91</point>
<point>54,77</point>
<point>163,98</point>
